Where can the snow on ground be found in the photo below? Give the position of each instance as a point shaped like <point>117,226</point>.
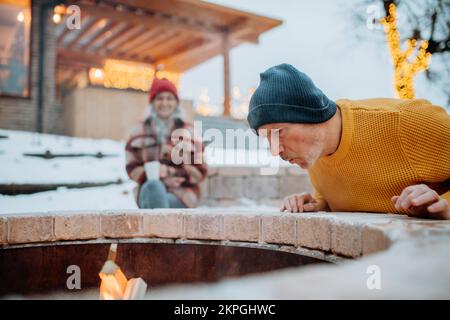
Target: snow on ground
<point>18,169</point>
<point>98,198</point>
<point>114,197</point>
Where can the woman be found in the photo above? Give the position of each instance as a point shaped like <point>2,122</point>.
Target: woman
<point>150,141</point>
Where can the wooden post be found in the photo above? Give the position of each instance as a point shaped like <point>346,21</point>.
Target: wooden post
<point>226,75</point>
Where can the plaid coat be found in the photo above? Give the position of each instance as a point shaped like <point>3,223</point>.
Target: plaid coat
<point>142,147</point>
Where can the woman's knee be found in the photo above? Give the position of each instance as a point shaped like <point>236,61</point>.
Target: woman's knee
<point>153,186</point>
<point>153,195</point>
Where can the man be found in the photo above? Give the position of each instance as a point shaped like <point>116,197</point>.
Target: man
<point>377,155</point>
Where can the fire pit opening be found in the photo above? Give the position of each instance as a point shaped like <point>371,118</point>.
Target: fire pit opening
<point>41,269</point>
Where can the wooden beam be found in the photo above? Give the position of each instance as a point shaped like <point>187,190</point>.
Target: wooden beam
<point>61,37</point>
<point>186,58</point>
<point>163,49</point>
<point>94,23</point>
<point>68,57</point>
<point>119,37</point>
<point>226,75</point>
<point>125,42</point>
<point>193,45</point>
<point>156,35</point>
<point>245,31</point>
<point>132,42</point>
<point>101,33</point>
<point>148,20</point>
<point>161,39</point>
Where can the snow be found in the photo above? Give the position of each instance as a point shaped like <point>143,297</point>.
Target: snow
<point>19,169</point>
<point>98,198</point>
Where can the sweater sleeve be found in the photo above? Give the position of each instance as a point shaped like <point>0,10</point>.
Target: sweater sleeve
<point>134,162</point>
<point>425,136</point>
<point>318,196</point>
<point>446,196</point>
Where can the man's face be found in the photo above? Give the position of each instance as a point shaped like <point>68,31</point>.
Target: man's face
<point>297,143</point>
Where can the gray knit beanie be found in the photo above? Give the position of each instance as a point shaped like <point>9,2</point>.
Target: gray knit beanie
<point>287,95</point>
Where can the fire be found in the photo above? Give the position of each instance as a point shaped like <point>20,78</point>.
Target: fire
<point>114,285</point>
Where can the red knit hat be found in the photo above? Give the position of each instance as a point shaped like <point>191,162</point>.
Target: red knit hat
<point>161,85</point>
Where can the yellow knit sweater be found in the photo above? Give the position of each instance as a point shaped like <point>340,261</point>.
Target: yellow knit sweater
<point>386,145</point>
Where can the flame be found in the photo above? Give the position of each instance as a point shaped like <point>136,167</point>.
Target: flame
<point>114,284</point>
<point>114,281</point>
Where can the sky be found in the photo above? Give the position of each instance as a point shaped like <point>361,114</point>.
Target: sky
<point>318,38</point>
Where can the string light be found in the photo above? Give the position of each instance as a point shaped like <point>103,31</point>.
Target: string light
<point>58,12</point>
<point>56,18</point>
<point>121,74</point>
<point>404,69</point>
<point>96,76</point>
<point>204,107</point>
<point>20,16</point>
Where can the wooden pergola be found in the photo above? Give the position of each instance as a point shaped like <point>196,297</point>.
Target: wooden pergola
<point>174,34</point>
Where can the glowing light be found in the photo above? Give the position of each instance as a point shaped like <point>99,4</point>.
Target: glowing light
<point>404,70</point>
<point>236,93</point>
<point>102,23</point>
<point>60,9</point>
<point>204,108</point>
<point>96,76</point>
<point>57,18</point>
<point>98,73</point>
<point>128,75</point>
<point>20,16</point>
<point>239,109</point>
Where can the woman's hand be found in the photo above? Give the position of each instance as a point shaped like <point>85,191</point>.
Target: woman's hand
<point>174,182</point>
<point>301,202</point>
<point>163,171</point>
<point>422,201</point>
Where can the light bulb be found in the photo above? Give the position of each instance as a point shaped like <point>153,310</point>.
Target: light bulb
<point>57,18</point>
<point>20,16</point>
<point>98,73</point>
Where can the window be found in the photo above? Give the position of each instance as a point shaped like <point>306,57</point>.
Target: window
<point>15,25</point>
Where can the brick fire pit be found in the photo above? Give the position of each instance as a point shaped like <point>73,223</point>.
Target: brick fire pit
<point>168,246</point>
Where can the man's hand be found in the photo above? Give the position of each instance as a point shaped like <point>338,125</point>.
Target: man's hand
<point>301,202</point>
<point>422,201</point>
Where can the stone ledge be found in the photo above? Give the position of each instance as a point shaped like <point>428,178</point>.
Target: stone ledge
<point>413,269</point>
<point>30,228</point>
<point>412,254</point>
<point>227,183</point>
<point>3,231</point>
<point>350,235</point>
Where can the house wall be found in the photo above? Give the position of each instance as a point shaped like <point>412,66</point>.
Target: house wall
<point>21,113</point>
<point>97,112</point>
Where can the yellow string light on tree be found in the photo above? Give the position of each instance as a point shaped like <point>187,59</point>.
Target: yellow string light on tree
<point>404,69</point>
